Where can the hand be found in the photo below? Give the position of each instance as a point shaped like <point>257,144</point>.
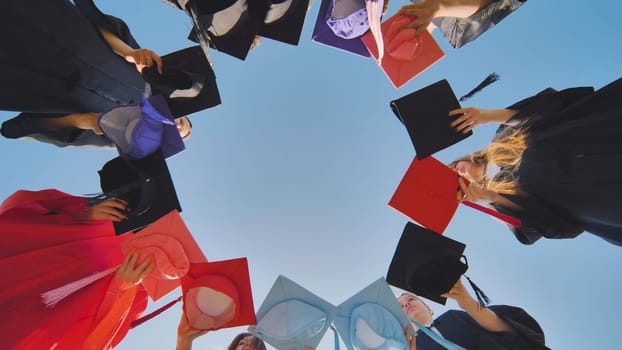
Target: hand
<point>144,58</point>
<point>132,273</point>
<point>474,193</point>
<point>187,334</point>
<point>87,121</point>
<point>111,209</point>
<point>471,117</point>
<point>423,12</point>
<point>460,295</point>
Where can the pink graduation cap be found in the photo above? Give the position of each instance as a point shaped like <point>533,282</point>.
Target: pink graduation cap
<point>405,55</point>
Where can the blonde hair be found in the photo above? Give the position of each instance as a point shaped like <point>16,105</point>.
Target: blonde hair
<point>506,151</point>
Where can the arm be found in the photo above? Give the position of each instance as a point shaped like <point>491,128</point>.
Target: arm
<point>140,57</point>
<point>117,302</point>
<point>186,334</point>
<point>426,10</point>
<point>485,317</point>
<point>472,117</point>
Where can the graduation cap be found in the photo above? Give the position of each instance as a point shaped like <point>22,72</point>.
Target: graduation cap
<point>428,195</point>
<point>426,263</point>
<point>424,113</point>
<point>174,249</point>
<point>140,129</point>
<point>145,184</point>
<point>284,20</point>
<point>324,34</point>
<point>372,319</point>
<point>405,55</point>
<point>291,317</point>
<point>187,81</point>
<point>238,39</point>
<point>218,295</point>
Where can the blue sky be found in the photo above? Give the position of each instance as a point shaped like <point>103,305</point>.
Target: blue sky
<point>294,170</point>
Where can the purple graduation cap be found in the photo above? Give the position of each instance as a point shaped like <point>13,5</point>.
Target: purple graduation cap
<point>341,24</point>
<point>140,130</point>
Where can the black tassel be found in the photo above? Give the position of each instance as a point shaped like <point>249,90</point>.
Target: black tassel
<point>489,80</point>
<point>481,297</point>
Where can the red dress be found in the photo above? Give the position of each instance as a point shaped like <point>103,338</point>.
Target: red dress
<point>42,248</point>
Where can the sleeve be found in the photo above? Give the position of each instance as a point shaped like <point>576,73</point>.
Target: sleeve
<point>53,201</point>
<point>101,20</point>
<point>539,220</point>
<point>27,124</point>
<point>545,104</point>
<point>524,325</point>
<point>112,314</point>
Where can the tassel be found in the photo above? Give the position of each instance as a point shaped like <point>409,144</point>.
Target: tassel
<point>335,337</point>
<point>481,297</point>
<point>139,321</point>
<point>489,80</point>
<point>374,15</point>
<point>52,297</point>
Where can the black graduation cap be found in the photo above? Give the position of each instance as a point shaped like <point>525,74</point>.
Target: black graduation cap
<point>426,263</point>
<point>237,42</point>
<point>424,113</point>
<point>287,26</point>
<point>145,184</point>
<point>188,73</point>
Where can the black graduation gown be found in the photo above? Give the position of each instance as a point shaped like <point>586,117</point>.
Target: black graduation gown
<point>459,328</point>
<point>53,62</point>
<point>569,176</point>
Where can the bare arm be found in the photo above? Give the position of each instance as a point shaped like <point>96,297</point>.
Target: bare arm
<point>87,121</point>
<point>485,317</point>
<point>472,117</point>
<point>426,10</point>
<point>140,57</point>
<point>186,334</point>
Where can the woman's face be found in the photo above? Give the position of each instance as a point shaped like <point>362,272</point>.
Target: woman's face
<point>246,343</point>
<point>472,171</point>
<point>415,309</point>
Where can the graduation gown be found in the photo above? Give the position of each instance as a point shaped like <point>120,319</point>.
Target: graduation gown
<point>459,328</point>
<point>42,248</point>
<point>569,177</point>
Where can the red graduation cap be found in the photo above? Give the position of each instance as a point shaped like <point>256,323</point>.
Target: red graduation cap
<point>405,55</point>
<point>427,195</point>
<point>174,249</point>
<point>218,295</point>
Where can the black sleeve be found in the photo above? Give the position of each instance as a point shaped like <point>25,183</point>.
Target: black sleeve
<point>546,104</point>
<point>524,325</point>
<point>101,20</point>
<point>539,220</point>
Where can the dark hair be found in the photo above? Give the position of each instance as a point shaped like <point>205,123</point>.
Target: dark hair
<point>258,344</point>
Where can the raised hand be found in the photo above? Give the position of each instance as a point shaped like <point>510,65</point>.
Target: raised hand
<point>111,209</point>
<point>144,58</point>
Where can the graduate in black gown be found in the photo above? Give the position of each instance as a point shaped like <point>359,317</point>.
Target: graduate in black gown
<point>554,163</point>
<point>476,328</point>
<point>63,64</point>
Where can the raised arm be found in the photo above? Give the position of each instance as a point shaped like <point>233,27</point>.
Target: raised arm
<point>485,317</point>
<point>140,57</point>
<point>186,334</point>
<point>472,117</point>
<point>426,10</point>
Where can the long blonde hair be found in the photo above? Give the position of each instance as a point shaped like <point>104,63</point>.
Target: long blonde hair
<point>506,151</point>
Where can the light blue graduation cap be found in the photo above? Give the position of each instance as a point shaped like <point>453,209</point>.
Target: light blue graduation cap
<point>372,319</point>
<point>291,317</point>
